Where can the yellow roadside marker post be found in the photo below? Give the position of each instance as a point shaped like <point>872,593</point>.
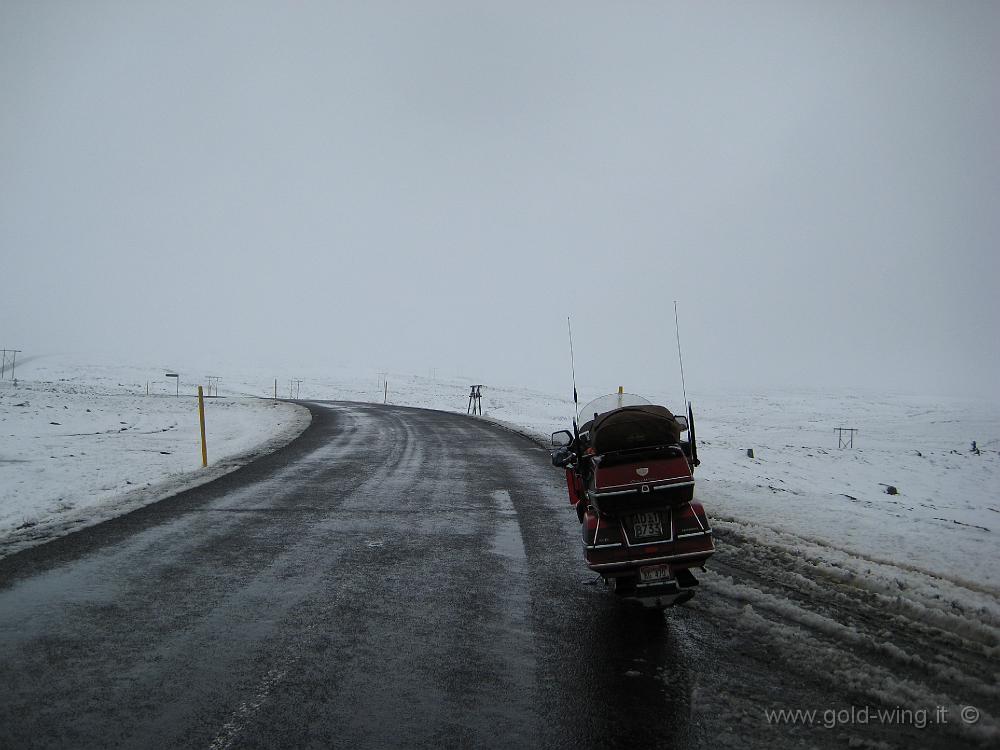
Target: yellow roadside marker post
<point>201,416</point>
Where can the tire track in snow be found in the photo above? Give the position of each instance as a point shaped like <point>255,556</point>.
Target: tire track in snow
<point>897,649</point>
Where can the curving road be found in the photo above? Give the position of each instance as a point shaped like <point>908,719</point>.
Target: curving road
<point>393,578</point>
<point>398,577</point>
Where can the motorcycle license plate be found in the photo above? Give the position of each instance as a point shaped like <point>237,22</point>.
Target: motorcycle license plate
<point>654,573</point>
<point>646,525</point>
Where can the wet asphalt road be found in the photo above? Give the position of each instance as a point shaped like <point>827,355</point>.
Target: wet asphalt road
<point>393,578</point>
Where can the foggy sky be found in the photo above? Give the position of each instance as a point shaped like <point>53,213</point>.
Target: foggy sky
<point>438,185</point>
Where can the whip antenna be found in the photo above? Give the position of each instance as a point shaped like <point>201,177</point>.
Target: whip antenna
<point>680,357</point>
<point>691,437</point>
<point>572,364</point>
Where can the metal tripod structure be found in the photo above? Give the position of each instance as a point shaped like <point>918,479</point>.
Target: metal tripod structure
<point>475,400</point>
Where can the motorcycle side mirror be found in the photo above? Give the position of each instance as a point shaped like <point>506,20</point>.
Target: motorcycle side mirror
<point>561,439</point>
<point>682,422</point>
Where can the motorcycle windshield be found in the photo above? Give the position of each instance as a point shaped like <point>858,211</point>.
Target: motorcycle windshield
<point>609,403</point>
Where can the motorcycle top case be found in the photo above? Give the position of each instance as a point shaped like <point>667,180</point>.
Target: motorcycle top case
<point>657,479</point>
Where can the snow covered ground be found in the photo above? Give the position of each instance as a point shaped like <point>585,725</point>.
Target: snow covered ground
<point>799,489</point>
<point>895,595</point>
<point>944,518</point>
<point>81,443</point>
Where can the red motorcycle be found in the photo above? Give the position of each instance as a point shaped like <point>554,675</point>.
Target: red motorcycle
<point>630,476</point>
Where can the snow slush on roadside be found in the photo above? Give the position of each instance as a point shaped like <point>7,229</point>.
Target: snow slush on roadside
<point>630,476</point>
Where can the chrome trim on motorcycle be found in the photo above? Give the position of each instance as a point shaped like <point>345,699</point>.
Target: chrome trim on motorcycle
<point>648,561</point>
<point>675,484</point>
<point>664,486</point>
<point>595,493</point>
<point>706,532</point>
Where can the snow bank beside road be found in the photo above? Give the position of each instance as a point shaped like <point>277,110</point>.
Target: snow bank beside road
<point>74,451</point>
<point>800,487</point>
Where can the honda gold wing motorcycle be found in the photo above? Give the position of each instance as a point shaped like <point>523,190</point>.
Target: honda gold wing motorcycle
<point>630,476</point>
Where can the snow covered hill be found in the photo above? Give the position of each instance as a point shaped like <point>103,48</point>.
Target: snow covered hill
<point>943,521</point>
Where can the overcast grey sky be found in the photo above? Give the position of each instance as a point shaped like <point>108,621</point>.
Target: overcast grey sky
<point>415,185</point>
